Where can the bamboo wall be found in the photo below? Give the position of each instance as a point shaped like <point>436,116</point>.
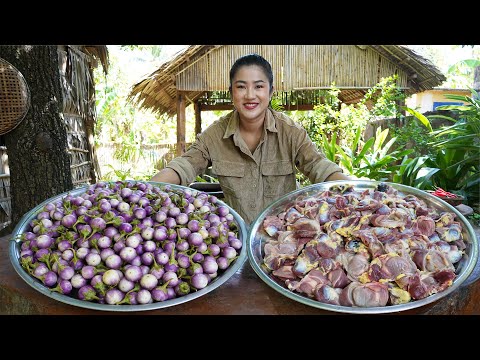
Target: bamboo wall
<point>347,66</point>
<point>78,110</point>
<point>80,157</point>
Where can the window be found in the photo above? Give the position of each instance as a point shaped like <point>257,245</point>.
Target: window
<point>442,103</point>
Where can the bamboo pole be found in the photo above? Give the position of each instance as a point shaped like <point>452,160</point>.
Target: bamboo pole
<point>79,165</point>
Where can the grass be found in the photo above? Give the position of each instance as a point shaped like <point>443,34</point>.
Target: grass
<point>474,219</point>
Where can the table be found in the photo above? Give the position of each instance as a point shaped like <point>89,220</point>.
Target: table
<point>243,294</point>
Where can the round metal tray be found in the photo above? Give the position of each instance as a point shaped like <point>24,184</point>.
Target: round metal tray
<point>256,242</point>
<point>14,254</point>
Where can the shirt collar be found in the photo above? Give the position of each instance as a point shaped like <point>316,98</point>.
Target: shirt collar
<point>233,123</point>
<point>270,121</point>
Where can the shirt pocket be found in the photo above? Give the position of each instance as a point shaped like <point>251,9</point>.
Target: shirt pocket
<point>278,178</point>
<point>231,175</point>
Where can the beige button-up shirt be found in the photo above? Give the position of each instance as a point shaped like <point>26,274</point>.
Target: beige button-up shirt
<point>250,182</point>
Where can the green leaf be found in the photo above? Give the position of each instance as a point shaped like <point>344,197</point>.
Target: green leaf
<point>461,146</point>
<point>357,139</point>
<point>403,153</point>
<point>457,141</point>
<point>421,182</point>
<point>473,180</point>
<point>423,119</point>
<point>462,98</point>
<point>345,160</point>
<point>387,146</point>
<point>366,147</point>
<point>442,117</point>
<point>414,166</point>
<point>469,161</point>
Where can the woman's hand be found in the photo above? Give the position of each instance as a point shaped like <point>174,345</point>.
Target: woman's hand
<point>339,176</point>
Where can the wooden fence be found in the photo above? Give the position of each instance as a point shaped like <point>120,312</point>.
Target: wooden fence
<point>144,159</point>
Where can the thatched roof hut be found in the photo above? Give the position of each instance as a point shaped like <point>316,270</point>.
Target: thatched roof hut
<point>198,72</point>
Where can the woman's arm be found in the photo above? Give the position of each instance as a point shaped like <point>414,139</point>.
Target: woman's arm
<point>166,175</point>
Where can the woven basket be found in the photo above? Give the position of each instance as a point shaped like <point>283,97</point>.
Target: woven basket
<point>14,97</point>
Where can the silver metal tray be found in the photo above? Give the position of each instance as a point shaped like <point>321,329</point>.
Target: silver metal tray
<point>14,254</point>
<point>256,242</point>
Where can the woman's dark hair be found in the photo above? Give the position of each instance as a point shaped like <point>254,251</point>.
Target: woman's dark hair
<point>252,59</point>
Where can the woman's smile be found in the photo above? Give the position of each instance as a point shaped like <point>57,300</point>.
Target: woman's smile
<point>250,106</point>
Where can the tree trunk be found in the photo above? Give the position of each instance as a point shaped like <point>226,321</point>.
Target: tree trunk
<point>37,147</point>
<point>476,80</point>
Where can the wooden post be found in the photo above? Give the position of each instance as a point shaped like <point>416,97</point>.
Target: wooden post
<point>181,123</point>
<point>401,103</point>
<point>198,118</point>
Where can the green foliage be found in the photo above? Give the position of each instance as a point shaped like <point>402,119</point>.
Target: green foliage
<point>469,63</point>
<point>206,178</point>
<point>330,147</point>
<point>154,50</point>
<point>386,97</point>
<point>118,122</point>
<point>374,160</point>
<point>324,117</point>
<point>457,150</point>
<point>350,157</point>
<point>333,117</point>
<point>413,135</point>
<point>474,218</point>
<point>337,129</point>
<point>410,170</point>
<point>449,176</point>
<point>460,145</point>
<point>423,119</point>
<point>380,162</point>
<point>198,178</point>
<point>302,180</point>
<point>125,174</point>
<point>276,104</point>
<point>465,132</point>
<point>460,74</point>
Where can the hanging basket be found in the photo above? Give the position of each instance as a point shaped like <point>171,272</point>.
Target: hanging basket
<point>14,97</point>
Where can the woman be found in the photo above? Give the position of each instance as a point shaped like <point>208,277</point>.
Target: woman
<point>253,150</point>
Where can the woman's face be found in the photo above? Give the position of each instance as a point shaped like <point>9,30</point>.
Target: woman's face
<point>251,93</point>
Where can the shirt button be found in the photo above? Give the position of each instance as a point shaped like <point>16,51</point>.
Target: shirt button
<point>254,185</point>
